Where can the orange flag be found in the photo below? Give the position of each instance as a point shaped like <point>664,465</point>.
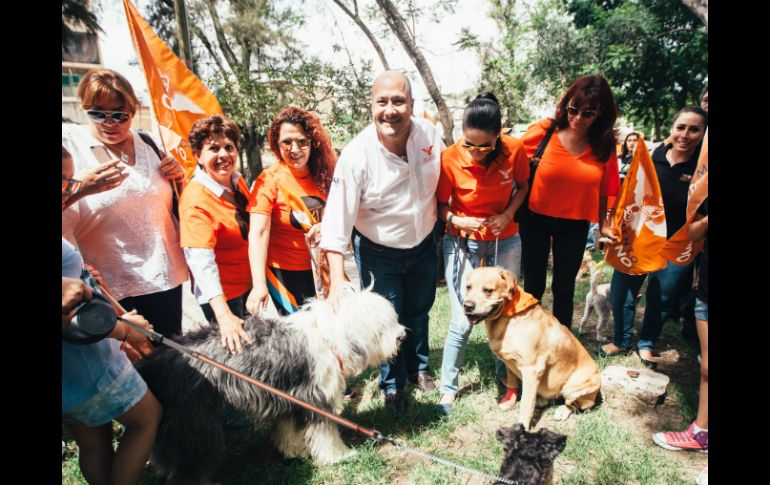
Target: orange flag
<point>680,249</point>
<point>179,98</point>
<point>639,221</point>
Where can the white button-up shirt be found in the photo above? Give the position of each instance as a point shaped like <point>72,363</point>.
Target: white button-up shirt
<point>389,200</point>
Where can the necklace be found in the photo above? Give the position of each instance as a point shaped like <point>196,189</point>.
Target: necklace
<point>124,157</point>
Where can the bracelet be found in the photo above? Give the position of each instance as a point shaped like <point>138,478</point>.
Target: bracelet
<point>125,337</point>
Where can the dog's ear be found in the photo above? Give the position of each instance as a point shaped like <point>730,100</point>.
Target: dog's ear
<point>510,282</point>
<point>552,443</point>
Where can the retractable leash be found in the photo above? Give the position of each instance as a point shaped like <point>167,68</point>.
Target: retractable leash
<point>376,435</point>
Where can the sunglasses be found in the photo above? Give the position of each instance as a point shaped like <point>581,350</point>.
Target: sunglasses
<point>70,186</point>
<point>99,116</point>
<point>241,216</point>
<point>302,143</point>
<point>587,113</point>
<point>480,149</point>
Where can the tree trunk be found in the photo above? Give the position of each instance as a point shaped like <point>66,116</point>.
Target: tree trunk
<point>396,23</point>
<point>699,8</point>
<point>368,33</point>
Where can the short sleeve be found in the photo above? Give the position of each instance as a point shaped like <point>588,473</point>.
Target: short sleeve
<point>445,182</point>
<point>264,194</point>
<point>197,228</point>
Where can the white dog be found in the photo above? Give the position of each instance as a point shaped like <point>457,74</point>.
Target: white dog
<point>597,298</point>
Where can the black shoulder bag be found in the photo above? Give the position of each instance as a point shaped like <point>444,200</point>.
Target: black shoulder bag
<point>523,211</point>
<point>149,141</point>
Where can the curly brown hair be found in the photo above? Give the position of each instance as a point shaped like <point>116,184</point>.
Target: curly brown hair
<point>322,156</point>
<point>210,126</point>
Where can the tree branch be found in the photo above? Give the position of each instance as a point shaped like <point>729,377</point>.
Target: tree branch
<point>221,40</point>
<point>365,30</point>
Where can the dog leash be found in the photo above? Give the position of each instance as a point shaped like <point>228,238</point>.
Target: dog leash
<point>373,433</point>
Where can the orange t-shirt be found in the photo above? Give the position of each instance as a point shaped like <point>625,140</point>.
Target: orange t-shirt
<point>477,191</point>
<point>567,186</point>
<point>287,248</point>
<point>208,221</point>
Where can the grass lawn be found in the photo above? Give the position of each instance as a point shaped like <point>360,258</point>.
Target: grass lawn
<point>609,444</point>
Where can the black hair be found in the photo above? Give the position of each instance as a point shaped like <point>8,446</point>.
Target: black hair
<point>691,109</point>
<point>483,113</point>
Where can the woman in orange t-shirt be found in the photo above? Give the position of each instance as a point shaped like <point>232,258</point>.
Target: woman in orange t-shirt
<point>288,199</point>
<point>214,228</point>
<point>483,181</point>
<point>577,172</point>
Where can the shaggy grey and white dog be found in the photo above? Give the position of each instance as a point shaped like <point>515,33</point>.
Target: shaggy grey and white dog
<point>597,298</point>
<point>308,355</point>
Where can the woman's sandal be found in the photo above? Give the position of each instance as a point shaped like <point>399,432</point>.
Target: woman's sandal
<point>650,364</point>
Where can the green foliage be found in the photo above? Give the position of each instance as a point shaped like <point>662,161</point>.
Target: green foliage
<point>654,53</point>
<point>260,69</point>
<point>76,12</point>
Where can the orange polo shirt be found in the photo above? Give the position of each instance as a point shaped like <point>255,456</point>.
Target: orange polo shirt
<point>567,186</point>
<point>478,191</point>
<point>208,221</point>
<point>286,249</point>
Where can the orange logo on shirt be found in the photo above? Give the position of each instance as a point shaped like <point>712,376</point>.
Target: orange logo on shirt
<point>428,149</point>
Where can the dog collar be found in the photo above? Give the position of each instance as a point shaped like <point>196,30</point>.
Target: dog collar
<point>521,301</point>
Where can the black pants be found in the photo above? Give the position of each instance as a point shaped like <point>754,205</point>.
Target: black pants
<point>568,237</point>
<point>163,310</point>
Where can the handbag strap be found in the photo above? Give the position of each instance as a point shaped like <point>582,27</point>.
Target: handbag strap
<point>148,140</point>
<point>535,160</point>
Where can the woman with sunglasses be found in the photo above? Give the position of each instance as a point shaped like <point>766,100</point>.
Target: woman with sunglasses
<point>288,199</point>
<point>483,181</point>
<point>215,228</point>
<point>126,228</point>
<point>577,172</point>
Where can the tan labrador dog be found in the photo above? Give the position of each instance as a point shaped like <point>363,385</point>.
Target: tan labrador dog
<point>536,349</point>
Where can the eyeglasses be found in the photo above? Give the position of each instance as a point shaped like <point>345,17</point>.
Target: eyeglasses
<point>586,113</point>
<point>99,116</point>
<point>241,216</point>
<point>70,186</point>
<point>302,143</point>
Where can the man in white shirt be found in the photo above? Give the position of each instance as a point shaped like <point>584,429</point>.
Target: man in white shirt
<point>383,193</point>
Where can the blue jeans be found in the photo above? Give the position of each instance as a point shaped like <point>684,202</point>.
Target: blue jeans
<point>508,257</point>
<point>660,296</point>
<point>407,278</point>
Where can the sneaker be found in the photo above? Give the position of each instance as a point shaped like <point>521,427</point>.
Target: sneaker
<point>683,440</point>
<point>395,402</point>
<point>703,477</point>
<point>445,404</point>
<point>423,380</point>
<point>509,400</point>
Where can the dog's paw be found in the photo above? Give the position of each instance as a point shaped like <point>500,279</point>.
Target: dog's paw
<point>562,413</point>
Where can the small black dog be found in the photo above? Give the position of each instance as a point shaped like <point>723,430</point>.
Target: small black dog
<point>529,456</point>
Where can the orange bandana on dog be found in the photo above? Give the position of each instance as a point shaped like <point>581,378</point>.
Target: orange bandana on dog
<point>522,301</point>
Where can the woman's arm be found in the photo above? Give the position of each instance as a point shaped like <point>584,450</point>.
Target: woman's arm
<point>605,219</point>
<point>259,238</point>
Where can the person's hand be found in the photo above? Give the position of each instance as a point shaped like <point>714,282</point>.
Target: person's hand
<point>468,224</point>
<point>170,169</point>
<point>73,292</point>
<point>257,300</point>
<point>497,224</point>
<point>231,330</point>
<point>314,235</point>
<point>607,236</point>
<point>104,177</point>
<point>135,344</point>
<point>337,289</point>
